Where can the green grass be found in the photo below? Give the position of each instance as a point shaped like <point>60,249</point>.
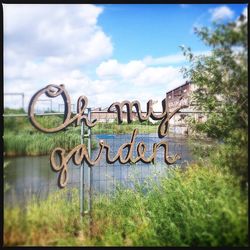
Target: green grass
<point>38,143</point>
<point>21,138</point>
<point>201,206</point>
<point>124,128</point>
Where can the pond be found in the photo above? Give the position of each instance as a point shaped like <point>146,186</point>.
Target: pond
<point>33,176</point>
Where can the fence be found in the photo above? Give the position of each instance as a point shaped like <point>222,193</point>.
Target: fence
<point>32,176</point>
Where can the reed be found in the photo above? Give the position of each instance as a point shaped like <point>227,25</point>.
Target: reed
<point>21,138</point>
<point>38,143</point>
<point>124,128</point>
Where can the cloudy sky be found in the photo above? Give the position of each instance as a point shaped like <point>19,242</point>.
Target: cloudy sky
<point>106,52</point>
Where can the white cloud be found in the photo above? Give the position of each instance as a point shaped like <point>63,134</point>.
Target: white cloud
<point>245,12</point>
<point>155,76</point>
<point>239,21</point>
<point>170,59</point>
<point>132,69</point>
<point>148,78</point>
<point>138,80</point>
<point>55,30</point>
<point>138,73</point>
<point>221,13</point>
<point>59,35</point>
<point>112,68</point>
<point>109,68</point>
<point>178,58</point>
<point>58,44</point>
<point>46,44</point>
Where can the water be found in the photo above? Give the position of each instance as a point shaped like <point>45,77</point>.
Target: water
<point>29,176</point>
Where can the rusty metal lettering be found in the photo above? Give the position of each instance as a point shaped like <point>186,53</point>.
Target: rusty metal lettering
<point>119,106</point>
<point>59,158</point>
<point>163,127</point>
<point>82,102</point>
<point>54,91</point>
<point>79,154</point>
<point>165,116</point>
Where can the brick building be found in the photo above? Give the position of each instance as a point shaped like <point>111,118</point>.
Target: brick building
<point>176,97</point>
<point>102,115</point>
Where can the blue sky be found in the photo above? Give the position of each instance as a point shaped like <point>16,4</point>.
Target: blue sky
<point>139,30</point>
<point>106,52</point>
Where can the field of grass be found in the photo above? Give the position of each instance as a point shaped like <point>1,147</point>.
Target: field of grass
<point>201,206</point>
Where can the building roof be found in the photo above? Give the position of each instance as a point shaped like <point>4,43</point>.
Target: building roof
<point>186,83</point>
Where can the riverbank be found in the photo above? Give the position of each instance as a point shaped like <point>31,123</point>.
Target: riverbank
<point>22,139</point>
<point>201,206</point>
<point>124,128</point>
<point>38,144</point>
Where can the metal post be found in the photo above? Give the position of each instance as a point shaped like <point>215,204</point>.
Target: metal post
<point>23,100</point>
<point>50,105</point>
<point>90,176</point>
<point>89,152</point>
<point>82,176</point>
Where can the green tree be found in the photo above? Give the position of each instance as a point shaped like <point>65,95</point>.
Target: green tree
<point>221,78</point>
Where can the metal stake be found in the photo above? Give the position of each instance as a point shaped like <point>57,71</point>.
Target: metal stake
<point>90,176</point>
<point>82,176</point>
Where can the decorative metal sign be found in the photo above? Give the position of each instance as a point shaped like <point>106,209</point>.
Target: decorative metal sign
<point>80,154</point>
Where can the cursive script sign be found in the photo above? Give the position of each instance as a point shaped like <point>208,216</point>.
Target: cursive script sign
<point>79,154</point>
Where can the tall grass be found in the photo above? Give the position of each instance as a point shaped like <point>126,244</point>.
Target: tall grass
<point>124,128</point>
<point>39,143</point>
<point>200,206</point>
<point>20,138</point>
